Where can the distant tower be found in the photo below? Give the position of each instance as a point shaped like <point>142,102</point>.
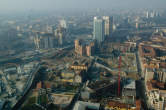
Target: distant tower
<point>111,25</point>
<point>60,34</point>
<point>147,14</point>
<point>152,14</point>
<point>136,25</point>
<point>18,28</point>
<point>98,30</point>
<point>108,25</point>
<point>54,30</point>
<point>49,29</point>
<point>46,42</point>
<point>37,41</point>
<point>62,23</point>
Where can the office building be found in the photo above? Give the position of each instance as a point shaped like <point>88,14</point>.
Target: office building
<point>136,25</point>
<point>147,15</point>
<point>108,25</point>
<point>98,30</point>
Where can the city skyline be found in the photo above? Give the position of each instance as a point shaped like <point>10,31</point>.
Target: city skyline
<point>82,55</point>
<point>24,5</point>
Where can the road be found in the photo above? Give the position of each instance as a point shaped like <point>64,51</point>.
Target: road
<point>141,81</point>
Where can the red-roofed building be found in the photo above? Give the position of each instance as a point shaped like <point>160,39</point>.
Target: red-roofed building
<point>39,85</point>
<point>138,104</point>
<point>48,87</point>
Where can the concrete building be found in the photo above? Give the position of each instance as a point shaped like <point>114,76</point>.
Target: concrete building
<point>56,37</point>
<point>80,105</point>
<point>63,23</point>
<point>156,100</point>
<point>62,100</point>
<point>147,14</point>
<point>60,35</point>
<point>39,88</point>
<point>44,41</point>
<point>108,25</point>
<point>149,75</point>
<point>98,29</point>
<point>37,41</point>
<point>43,88</point>
<point>49,29</point>
<point>161,76</point>
<point>136,25</point>
<point>83,48</point>
<point>90,49</point>
<point>51,42</point>
<point>77,47</point>
<point>129,92</point>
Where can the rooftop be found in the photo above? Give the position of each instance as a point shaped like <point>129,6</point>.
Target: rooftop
<point>60,99</point>
<point>115,104</point>
<point>80,105</point>
<point>131,85</point>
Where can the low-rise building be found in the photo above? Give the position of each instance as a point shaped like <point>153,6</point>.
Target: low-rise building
<point>129,92</point>
<point>80,105</point>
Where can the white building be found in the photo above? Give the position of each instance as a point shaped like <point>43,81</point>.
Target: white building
<point>80,105</point>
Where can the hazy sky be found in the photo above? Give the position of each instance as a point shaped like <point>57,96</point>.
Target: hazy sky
<point>81,4</point>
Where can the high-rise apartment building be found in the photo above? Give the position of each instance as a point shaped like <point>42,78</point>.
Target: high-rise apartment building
<point>84,49</point>
<point>108,25</point>
<point>60,33</point>
<point>98,30</point>
<point>79,48</point>
<point>44,41</point>
<point>111,25</point>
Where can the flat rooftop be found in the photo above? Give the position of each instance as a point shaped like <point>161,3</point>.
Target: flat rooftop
<point>61,99</point>
<point>131,85</point>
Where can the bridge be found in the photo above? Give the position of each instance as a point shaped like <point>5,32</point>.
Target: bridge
<point>30,79</point>
<point>27,88</point>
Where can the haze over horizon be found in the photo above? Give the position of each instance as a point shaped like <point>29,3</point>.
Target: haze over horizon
<point>23,5</point>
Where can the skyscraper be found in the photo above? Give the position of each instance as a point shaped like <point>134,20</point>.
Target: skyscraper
<point>98,30</point>
<point>63,23</point>
<point>111,25</point>
<point>108,24</point>
<point>60,33</point>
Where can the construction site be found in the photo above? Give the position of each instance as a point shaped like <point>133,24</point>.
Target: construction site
<point>70,77</point>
